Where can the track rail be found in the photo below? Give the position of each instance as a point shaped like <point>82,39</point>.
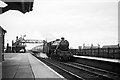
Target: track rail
<point>76,71</point>
<point>72,75</point>
<point>96,71</point>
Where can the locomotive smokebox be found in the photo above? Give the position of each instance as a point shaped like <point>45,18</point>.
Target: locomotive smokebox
<point>64,44</point>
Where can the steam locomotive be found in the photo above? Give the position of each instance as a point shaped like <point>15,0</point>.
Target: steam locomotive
<point>57,49</point>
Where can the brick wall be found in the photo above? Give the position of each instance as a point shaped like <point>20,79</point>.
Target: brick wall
<point>0,44</point>
<point>2,34</point>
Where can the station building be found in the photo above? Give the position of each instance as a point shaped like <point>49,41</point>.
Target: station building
<point>2,41</point>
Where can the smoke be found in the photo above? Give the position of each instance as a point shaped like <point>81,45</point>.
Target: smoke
<point>48,35</point>
<point>43,55</point>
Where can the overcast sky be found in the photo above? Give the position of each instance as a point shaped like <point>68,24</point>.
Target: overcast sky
<point>79,21</point>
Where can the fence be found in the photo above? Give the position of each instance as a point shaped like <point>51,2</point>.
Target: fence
<point>113,53</point>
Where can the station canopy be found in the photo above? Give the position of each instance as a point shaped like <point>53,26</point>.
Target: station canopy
<point>20,5</point>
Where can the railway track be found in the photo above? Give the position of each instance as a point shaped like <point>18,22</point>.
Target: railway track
<point>67,74</point>
<point>71,70</point>
<point>96,71</point>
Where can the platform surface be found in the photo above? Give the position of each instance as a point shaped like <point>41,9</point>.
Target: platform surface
<point>26,66</point>
<point>101,59</point>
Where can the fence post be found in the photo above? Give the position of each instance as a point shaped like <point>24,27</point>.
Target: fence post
<point>119,52</point>
<point>98,52</point>
<point>108,53</point>
<point>113,53</point>
<point>91,52</point>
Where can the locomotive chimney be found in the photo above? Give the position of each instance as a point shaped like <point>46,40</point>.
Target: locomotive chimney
<point>16,38</point>
<point>62,38</point>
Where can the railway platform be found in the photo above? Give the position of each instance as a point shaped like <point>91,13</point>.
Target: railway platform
<point>26,67</point>
<point>100,59</point>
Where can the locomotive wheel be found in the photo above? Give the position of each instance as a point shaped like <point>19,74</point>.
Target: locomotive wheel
<point>60,59</point>
<point>71,59</point>
<point>68,58</point>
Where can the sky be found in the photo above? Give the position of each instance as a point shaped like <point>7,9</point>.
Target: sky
<point>79,21</point>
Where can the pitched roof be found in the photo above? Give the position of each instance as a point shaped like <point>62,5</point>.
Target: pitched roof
<point>90,47</point>
<point>110,46</point>
<point>86,47</point>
